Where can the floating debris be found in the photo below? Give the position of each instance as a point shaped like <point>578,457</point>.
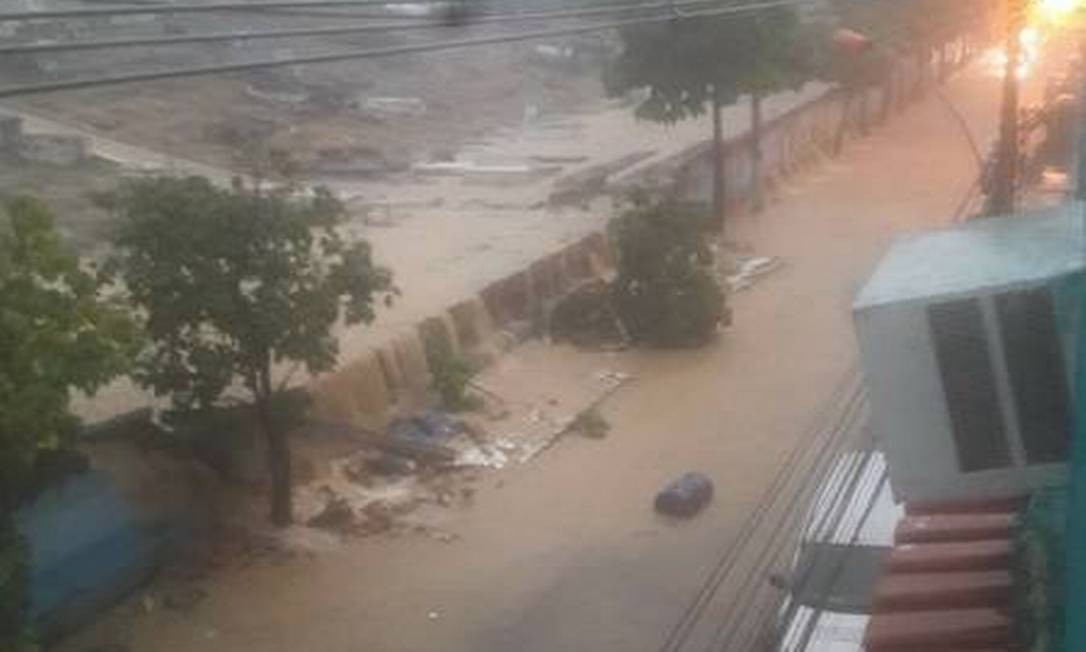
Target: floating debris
<point>750,270</point>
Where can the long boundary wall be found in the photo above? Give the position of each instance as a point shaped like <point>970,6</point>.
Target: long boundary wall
<point>792,140</point>
<point>393,377</point>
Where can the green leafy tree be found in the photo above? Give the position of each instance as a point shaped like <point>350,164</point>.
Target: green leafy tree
<point>701,63</point>
<point>771,54</point>
<point>235,284</point>
<point>58,332</point>
<point>854,70</point>
<point>897,30</point>
<point>665,292</point>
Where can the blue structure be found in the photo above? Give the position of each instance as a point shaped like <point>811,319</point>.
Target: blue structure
<point>88,546</point>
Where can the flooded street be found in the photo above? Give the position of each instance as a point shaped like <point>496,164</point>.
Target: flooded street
<point>446,236</point>
<point>565,552</point>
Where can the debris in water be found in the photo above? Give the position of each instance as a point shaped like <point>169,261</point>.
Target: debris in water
<point>686,496</point>
<point>749,270</point>
<point>443,537</point>
<point>336,516</point>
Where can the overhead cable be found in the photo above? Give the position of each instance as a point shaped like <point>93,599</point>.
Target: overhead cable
<point>205,7</point>
<point>373,53</point>
<point>162,41</point>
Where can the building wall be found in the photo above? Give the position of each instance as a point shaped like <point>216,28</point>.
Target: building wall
<point>910,418</point>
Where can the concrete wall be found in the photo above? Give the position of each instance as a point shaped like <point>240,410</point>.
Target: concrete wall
<point>393,377</point>
<point>790,142</point>
<point>911,419</point>
<point>57,149</point>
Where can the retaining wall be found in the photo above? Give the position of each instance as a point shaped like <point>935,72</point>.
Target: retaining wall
<point>791,141</point>
<point>393,377</point>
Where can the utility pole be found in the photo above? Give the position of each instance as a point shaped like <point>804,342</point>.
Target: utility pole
<point>1075,547</point>
<point>1006,169</point>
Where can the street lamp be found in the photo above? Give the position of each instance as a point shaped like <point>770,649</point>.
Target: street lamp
<point>1006,168</point>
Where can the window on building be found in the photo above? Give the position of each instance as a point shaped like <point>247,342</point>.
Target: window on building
<point>1038,378</point>
<point>961,348</point>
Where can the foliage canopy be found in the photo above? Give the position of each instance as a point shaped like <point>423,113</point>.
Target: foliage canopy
<point>665,291</point>
<point>236,282</point>
<point>57,332</point>
<point>689,63</point>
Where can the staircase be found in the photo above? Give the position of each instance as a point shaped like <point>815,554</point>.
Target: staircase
<point>948,583</point>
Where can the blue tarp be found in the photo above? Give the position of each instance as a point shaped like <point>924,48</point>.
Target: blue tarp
<point>88,547</point>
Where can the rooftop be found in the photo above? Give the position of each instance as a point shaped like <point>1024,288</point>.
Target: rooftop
<point>996,254</point>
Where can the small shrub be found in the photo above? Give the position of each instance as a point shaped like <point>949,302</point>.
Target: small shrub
<point>665,291</point>
<point>586,317</point>
<point>451,374</point>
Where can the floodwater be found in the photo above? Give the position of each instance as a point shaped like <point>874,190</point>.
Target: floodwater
<point>565,553</point>
<point>447,236</point>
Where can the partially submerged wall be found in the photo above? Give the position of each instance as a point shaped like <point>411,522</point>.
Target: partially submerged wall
<point>392,377</point>
<point>790,142</point>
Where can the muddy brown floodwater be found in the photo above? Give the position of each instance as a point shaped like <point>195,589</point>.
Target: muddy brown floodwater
<point>565,552</point>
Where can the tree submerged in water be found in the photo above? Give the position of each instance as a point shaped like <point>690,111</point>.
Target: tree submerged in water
<point>235,282</point>
<point>695,64</point>
<point>665,292</point>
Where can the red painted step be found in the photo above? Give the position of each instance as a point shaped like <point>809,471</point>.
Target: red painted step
<point>944,528</point>
<point>938,631</point>
<point>1007,505</point>
<point>990,554</point>
<point>953,590</point>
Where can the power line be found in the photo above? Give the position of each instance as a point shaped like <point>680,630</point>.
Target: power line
<point>728,629</point>
<point>846,393</point>
<point>761,628</point>
<point>726,563</point>
<point>860,474</point>
<point>809,627</point>
<point>129,10</point>
<point>161,41</point>
<point>837,507</point>
<point>371,53</point>
<point>448,4</point>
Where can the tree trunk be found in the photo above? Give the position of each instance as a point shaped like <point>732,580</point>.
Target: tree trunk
<point>901,93</point>
<point>1006,172</point>
<point>719,185</point>
<point>889,85</point>
<point>757,191</point>
<point>282,508</point>
<point>862,108</point>
<point>943,65</point>
<point>842,127</point>
<point>923,72</point>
